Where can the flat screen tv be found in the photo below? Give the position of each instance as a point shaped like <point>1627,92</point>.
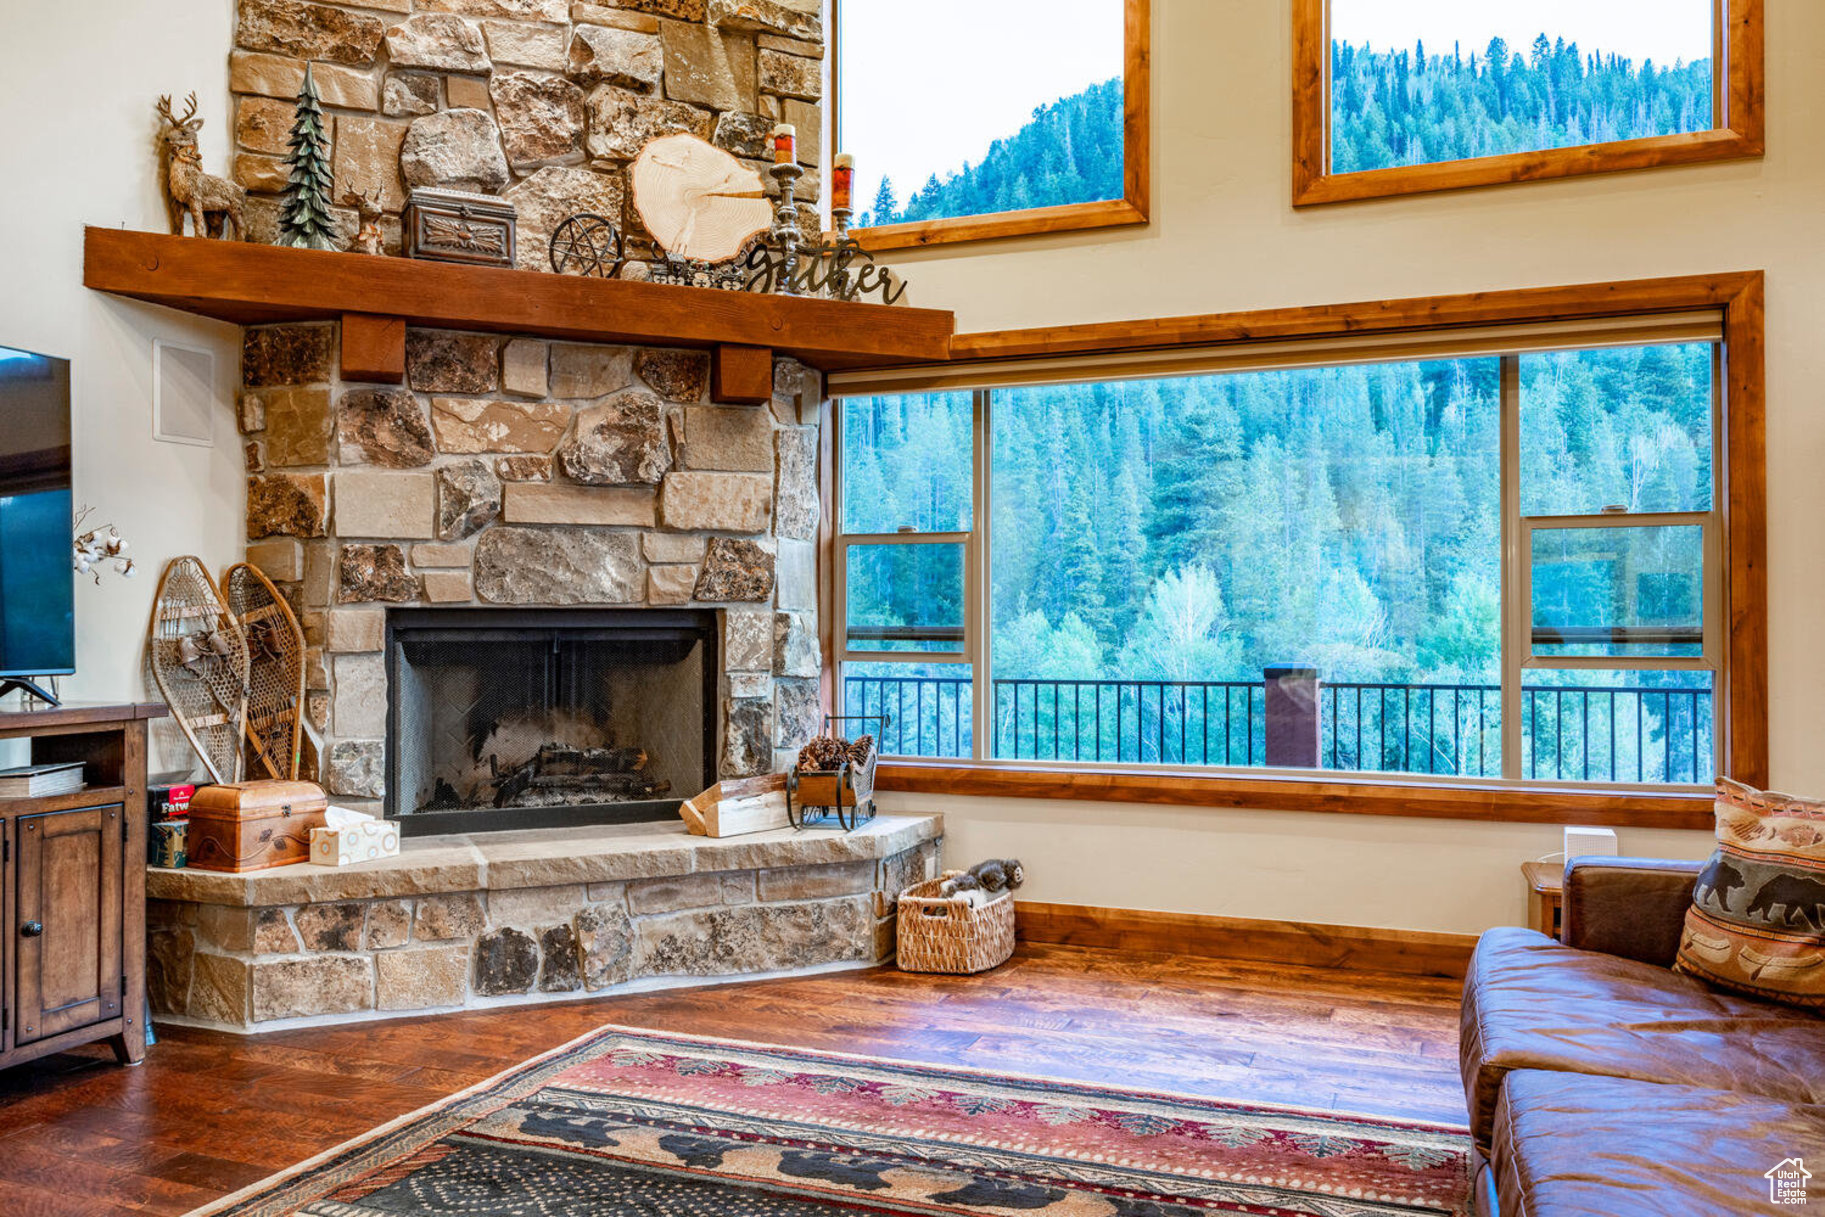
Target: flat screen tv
<point>37,586</point>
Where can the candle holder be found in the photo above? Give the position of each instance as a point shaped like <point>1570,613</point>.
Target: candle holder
<point>843,251</point>
<point>785,233</point>
<point>784,263</point>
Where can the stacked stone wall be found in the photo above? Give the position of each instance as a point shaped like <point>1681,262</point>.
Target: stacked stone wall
<point>521,472</point>
<point>542,102</point>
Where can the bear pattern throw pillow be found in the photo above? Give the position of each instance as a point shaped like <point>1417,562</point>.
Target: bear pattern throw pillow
<point>1757,921</point>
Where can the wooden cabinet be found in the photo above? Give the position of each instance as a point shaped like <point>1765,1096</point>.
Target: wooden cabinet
<point>67,880</point>
<point>72,888</point>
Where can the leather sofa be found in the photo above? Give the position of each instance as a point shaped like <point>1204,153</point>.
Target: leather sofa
<point>1602,1082</point>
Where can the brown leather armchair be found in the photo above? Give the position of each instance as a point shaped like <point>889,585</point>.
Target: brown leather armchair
<point>1601,1081</point>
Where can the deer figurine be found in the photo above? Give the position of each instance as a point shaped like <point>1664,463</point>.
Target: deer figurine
<point>367,206</point>
<point>213,204</point>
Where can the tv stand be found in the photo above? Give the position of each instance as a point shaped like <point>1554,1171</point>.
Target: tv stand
<point>9,683</point>
<point>73,929</point>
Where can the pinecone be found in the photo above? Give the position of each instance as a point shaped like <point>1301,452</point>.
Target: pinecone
<point>823,754</point>
<point>828,753</point>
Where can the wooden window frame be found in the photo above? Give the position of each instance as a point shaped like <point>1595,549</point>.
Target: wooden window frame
<point>971,654</point>
<point>1736,132</point>
<point>1131,209</point>
<point>1742,685</point>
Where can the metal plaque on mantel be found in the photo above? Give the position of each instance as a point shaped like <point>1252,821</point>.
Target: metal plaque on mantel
<point>456,226</point>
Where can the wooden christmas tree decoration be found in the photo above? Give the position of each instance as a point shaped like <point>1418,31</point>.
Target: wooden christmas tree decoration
<point>305,220</point>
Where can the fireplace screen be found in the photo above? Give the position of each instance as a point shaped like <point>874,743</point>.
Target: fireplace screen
<point>525,719</point>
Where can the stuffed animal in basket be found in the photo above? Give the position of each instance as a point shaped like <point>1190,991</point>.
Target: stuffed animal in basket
<point>984,881</point>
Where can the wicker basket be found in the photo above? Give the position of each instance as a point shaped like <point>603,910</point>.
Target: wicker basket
<point>954,936</point>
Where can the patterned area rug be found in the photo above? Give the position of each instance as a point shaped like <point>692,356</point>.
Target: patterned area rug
<point>627,1123</point>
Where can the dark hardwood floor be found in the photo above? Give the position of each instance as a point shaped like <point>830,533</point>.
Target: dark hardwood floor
<point>209,1113</point>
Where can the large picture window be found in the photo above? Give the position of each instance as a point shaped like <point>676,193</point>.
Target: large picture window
<point>1499,555</point>
<point>1043,128</point>
<point>1402,96</point>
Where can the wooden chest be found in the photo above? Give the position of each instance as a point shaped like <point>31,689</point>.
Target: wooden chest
<point>243,826</point>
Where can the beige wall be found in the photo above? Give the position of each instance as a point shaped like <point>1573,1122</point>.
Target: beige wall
<point>1225,238</point>
<point>77,85</point>
<point>1292,866</point>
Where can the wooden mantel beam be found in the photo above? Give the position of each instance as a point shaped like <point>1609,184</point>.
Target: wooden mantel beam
<point>260,284</point>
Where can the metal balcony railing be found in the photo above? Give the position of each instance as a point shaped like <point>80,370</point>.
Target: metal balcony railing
<point>1147,721</point>
<point>1599,733</point>
<point>1372,727</point>
<point>926,716</point>
<point>1605,733</point>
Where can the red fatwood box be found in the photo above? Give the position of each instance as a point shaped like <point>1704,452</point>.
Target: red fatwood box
<point>170,802</point>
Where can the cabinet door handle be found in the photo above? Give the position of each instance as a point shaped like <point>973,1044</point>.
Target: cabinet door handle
<point>31,929</point>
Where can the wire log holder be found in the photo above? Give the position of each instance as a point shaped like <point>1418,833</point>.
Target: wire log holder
<point>843,797</point>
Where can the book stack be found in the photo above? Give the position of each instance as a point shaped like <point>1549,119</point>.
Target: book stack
<point>40,781</point>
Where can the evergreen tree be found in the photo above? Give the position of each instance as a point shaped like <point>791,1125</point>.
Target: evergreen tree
<point>886,208</point>
<point>1196,480</point>
<point>1080,558</point>
<point>304,220</point>
<point>1404,108</point>
<point>1070,152</point>
<point>1388,108</point>
<point>1123,569</point>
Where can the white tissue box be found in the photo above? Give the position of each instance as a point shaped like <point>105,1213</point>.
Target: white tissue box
<point>362,840</point>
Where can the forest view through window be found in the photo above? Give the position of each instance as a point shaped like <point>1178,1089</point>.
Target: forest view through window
<point>1416,82</point>
<point>1030,114</point>
<point>1167,556</point>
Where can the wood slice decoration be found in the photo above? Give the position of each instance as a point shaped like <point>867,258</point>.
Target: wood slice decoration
<point>698,201</point>
<point>199,662</point>
<point>275,673</point>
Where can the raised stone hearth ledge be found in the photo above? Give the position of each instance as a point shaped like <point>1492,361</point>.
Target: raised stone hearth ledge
<point>542,857</point>
<point>512,917</point>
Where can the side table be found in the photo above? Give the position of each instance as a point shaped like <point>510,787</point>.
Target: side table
<point>1545,895</point>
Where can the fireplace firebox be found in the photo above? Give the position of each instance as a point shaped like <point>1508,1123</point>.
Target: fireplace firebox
<point>534,718</point>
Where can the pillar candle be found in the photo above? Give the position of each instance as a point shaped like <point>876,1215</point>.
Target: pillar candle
<point>842,178</point>
<point>785,144</point>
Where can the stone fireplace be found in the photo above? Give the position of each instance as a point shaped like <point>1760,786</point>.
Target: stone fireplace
<point>582,591</point>
<point>547,587</point>
<point>517,475</point>
<point>525,718</point>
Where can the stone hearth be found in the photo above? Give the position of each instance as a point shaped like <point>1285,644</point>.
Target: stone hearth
<point>512,917</point>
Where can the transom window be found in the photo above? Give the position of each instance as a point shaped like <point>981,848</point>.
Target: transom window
<point>1397,96</point>
<point>1043,127</point>
<point>1500,559</point>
